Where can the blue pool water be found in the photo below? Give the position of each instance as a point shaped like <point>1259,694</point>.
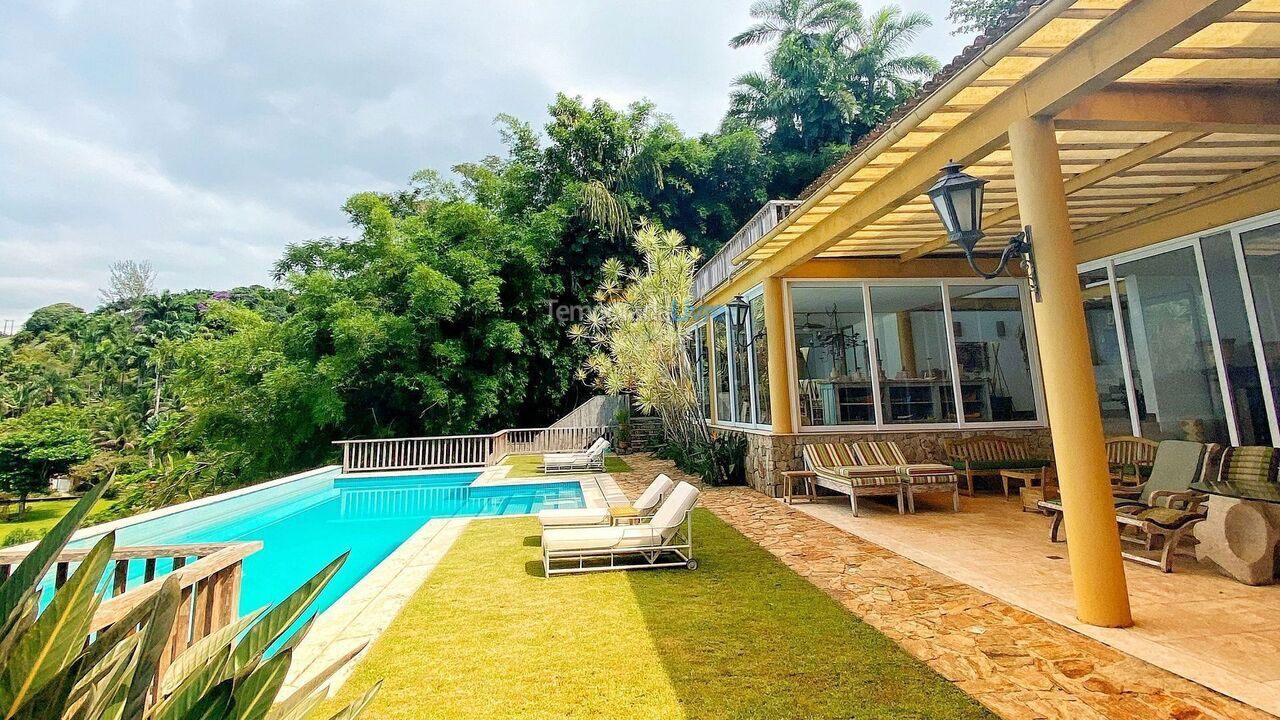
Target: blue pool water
<point>305,523</point>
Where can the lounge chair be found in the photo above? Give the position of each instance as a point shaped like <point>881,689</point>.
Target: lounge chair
<point>1166,508</point>
<point>591,459</point>
<point>666,540</point>
<point>643,507</point>
<point>917,478</point>
<point>835,466</point>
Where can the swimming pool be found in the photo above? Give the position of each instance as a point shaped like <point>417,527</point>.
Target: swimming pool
<point>307,522</point>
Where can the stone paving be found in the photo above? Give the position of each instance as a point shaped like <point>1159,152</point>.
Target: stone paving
<point>1017,664</point>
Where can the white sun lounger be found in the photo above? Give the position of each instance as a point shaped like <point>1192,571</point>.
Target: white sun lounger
<point>644,506</point>
<point>665,541</point>
<point>590,459</point>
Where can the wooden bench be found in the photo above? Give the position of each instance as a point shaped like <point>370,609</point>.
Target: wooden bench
<point>989,454</point>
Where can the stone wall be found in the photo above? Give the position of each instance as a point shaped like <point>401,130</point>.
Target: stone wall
<point>768,455</point>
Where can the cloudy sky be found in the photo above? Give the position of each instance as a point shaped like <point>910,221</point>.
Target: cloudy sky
<point>204,136</point>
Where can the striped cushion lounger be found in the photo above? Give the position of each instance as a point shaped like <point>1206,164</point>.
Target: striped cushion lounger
<point>836,467</point>
<point>917,477</point>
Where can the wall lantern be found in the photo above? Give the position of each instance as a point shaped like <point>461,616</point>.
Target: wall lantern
<point>957,198</point>
<point>740,309</point>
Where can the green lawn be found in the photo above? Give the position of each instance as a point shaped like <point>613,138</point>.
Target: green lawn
<point>527,465</point>
<point>41,516</point>
<point>487,636</point>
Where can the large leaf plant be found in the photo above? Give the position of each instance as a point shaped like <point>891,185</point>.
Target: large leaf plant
<point>51,669</point>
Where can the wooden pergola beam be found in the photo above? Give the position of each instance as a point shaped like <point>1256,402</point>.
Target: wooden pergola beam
<point>1106,170</point>
<point>1115,47</point>
<point>1232,185</point>
<point>1152,106</point>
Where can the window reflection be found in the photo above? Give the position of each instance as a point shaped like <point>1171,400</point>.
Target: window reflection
<point>1104,341</point>
<point>741,371</point>
<point>1175,375</point>
<point>720,339</point>
<point>760,353</point>
<point>911,349</point>
<point>1262,260</point>
<point>992,353</point>
<point>701,370</point>
<point>833,371</point>
<point>1235,339</point>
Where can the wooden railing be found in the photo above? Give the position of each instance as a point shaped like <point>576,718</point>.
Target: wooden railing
<point>209,587</point>
<point>721,266</point>
<point>447,451</point>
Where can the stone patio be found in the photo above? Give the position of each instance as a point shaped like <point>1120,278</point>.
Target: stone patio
<point>1017,663</point>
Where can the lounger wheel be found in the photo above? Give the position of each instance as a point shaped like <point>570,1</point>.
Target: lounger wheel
<point>692,564</point>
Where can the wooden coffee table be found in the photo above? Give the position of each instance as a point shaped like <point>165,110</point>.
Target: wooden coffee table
<point>789,478</point>
<point>1037,485</point>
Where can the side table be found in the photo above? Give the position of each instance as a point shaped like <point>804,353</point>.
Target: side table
<point>789,477</point>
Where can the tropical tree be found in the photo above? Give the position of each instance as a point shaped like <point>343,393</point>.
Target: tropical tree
<point>129,281</point>
<point>39,444</point>
<point>979,15</point>
<point>781,21</point>
<point>832,75</point>
<point>637,336</point>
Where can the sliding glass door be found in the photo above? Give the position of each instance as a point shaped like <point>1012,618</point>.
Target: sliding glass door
<point>1186,337</point>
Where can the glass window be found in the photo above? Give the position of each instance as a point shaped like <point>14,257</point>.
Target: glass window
<point>833,370</point>
<point>1235,339</point>
<point>702,370</point>
<point>992,354</point>
<point>1104,342</point>
<point>1262,261</point>
<point>720,336</point>
<point>741,369</point>
<point>760,352</point>
<point>912,351</point>
<point>1170,349</point>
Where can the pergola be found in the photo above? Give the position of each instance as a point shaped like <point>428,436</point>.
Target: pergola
<point>1103,124</point>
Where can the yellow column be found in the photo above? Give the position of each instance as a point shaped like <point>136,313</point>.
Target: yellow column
<point>775,323</point>
<point>1097,569</point>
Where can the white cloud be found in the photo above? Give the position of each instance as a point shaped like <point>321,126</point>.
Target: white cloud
<point>204,136</point>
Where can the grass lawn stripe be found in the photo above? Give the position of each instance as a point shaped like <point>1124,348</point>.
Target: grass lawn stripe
<point>487,636</point>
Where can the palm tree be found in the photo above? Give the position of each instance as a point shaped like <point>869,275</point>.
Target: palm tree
<point>884,77</point>
<point>833,74</point>
<point>803,20</point>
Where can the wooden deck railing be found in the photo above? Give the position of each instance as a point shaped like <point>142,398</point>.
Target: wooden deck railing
<point>447,451</point>
<point>209,587</point>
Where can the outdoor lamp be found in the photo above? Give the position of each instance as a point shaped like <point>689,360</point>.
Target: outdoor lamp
<point>740,309</point>
<point>957,198</point>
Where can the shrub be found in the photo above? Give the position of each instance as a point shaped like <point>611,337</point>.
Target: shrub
<point>722,462</point>
<point>19,536</point>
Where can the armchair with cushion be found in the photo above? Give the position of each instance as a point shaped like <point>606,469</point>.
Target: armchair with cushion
<point>989,454</point>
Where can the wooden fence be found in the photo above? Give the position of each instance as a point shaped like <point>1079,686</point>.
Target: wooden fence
<point>446,451</point>
<point>209,586</point>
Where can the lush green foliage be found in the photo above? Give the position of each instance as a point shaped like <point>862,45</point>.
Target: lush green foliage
<point>979,15</point>
<point>51,667</point>
<point>447,308</point>
<point>38,444</point>
<point>833,74</point>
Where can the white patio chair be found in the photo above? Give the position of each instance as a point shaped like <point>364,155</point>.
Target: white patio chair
<point>644,506</point>
<point>666,540</point>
